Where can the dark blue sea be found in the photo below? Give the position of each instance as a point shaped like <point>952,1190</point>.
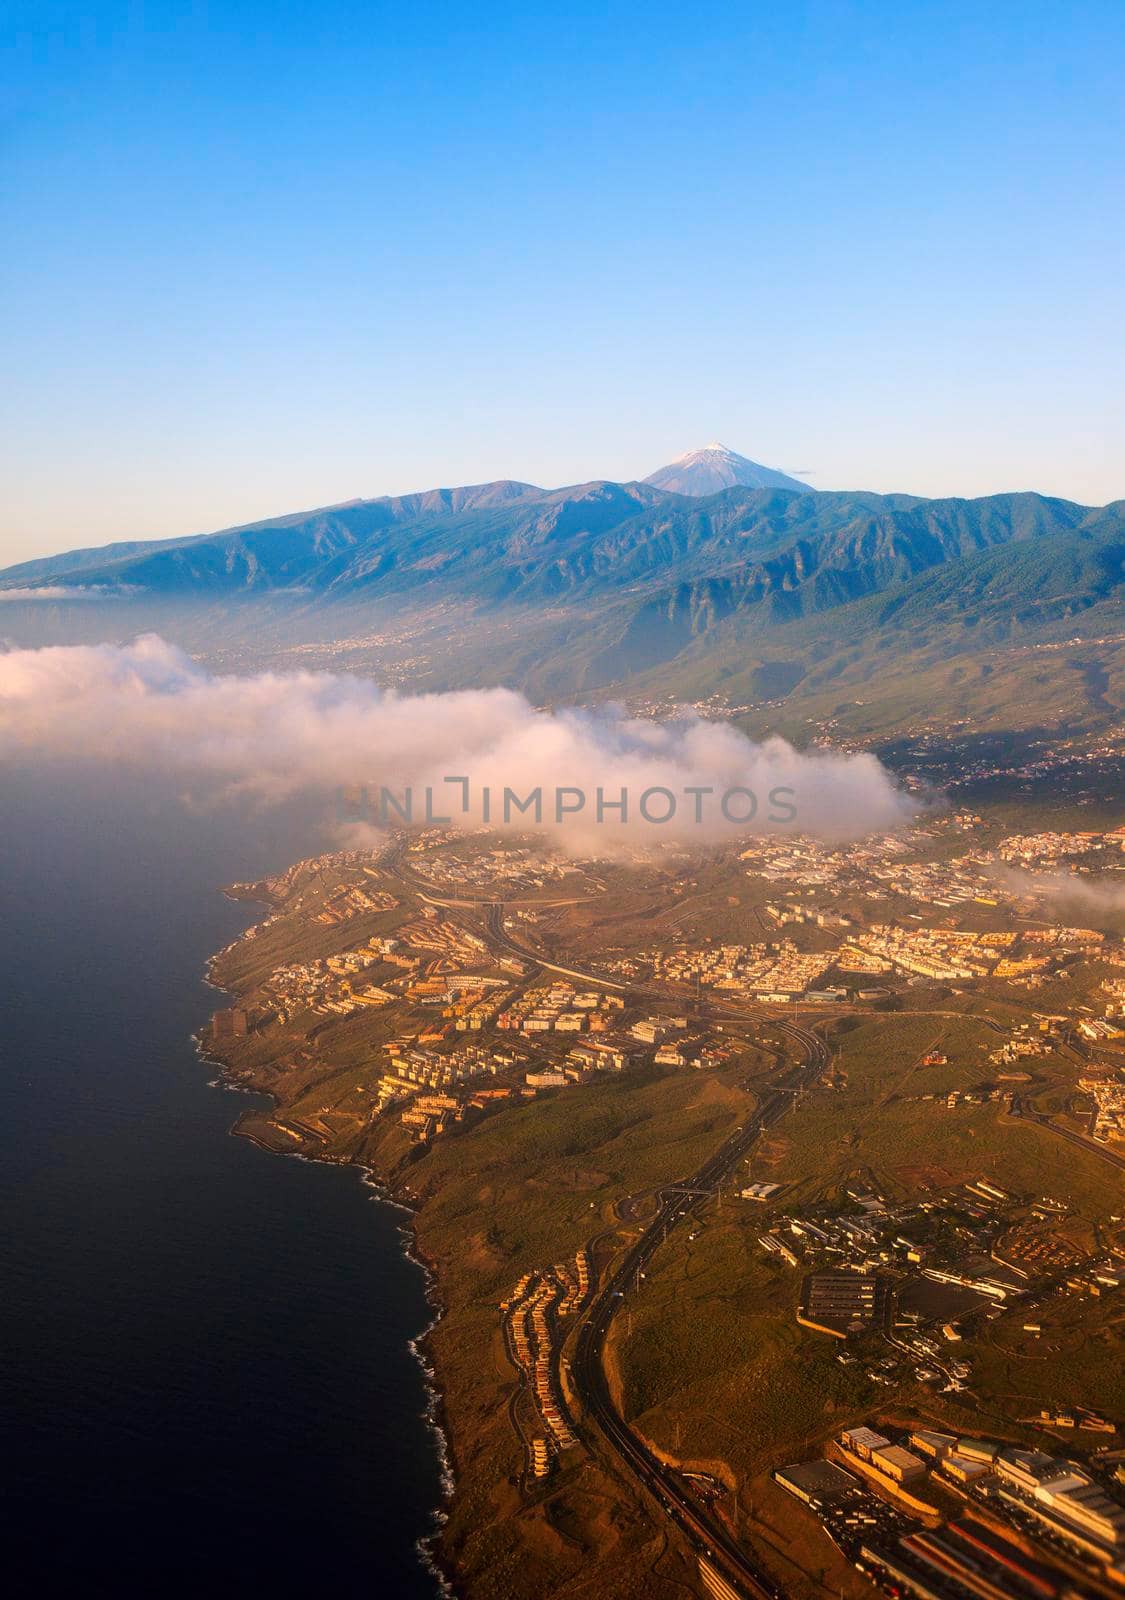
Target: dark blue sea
<point>207,1379</point>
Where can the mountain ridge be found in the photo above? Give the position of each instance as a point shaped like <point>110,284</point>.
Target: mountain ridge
<point>608,585</point>
<point>544,542</point>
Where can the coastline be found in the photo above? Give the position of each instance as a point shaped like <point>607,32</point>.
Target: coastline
<point>479,1538</point>
<point>381,1193</point>
<point>434,1413</point>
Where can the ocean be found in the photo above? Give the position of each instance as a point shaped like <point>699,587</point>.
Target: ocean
<point>208,1377</point>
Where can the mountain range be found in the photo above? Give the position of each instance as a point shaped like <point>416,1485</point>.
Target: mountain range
<point>868,613</point>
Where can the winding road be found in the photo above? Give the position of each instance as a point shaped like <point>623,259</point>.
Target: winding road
<point>587,1371</point>
<point>1042,1120</point>
<point>676,1202</point>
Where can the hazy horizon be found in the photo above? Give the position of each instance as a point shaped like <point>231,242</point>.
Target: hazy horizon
<point>263,512</point>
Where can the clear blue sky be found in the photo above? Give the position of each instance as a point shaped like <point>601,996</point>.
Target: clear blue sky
<point>263,256</point>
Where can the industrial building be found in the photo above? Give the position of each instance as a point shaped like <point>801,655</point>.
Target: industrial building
<point>820,1484</point>
<point>901,1465</point>
<point>838,1303</point>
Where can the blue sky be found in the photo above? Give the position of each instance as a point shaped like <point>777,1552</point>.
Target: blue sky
<point>264,256</point>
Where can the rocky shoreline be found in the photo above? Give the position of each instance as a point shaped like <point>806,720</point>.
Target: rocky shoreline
<point>382,1192</point>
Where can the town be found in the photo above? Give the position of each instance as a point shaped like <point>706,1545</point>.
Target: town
<point>404,1000</point>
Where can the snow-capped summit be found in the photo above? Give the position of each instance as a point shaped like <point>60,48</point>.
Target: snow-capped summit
<point>713,468</point>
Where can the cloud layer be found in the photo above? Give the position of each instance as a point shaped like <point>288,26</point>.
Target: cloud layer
<point>64,591</point>
<point>149,707</point>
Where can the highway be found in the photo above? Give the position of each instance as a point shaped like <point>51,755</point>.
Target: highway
<point>727,1568</point>
<point>1080,1139</point>
<point>677,1201</point>
<point>587,1371</point>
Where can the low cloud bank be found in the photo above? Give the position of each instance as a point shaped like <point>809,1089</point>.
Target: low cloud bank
<point>480,753</point>
<point>64,591</point>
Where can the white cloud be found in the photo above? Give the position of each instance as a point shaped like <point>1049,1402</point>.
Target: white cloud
<point>148,706</point>
<point>62,591</point>
<point>1100,900</point>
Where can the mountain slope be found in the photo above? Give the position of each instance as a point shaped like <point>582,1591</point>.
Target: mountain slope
<point>774,594</point>
<point>264,554</point>
<point>791,553</point>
